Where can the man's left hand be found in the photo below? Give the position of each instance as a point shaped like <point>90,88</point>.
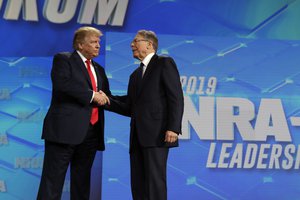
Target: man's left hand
<point>171,136</point>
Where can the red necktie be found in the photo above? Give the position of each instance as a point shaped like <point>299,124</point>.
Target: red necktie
<point>94,117</point>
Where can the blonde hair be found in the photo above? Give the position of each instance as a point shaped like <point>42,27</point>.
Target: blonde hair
<point>82,32</point>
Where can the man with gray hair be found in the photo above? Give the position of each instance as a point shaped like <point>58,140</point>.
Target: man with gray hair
<point>154,101</point>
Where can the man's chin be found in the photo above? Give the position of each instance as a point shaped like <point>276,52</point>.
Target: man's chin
<point>135,56</point>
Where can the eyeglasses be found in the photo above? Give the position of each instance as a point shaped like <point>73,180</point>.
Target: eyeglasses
<point>136,40</point>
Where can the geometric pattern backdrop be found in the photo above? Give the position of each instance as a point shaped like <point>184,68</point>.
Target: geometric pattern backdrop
<point>245,68</point>
<point>234,41</point>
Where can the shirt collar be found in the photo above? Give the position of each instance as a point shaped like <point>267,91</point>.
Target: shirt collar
<point>81,56</point>
<point>147,59</point>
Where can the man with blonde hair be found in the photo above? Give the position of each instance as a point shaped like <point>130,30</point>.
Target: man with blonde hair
<point>73,128</point>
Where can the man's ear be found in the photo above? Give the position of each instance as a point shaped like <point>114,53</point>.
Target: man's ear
<point>150,44</point>
<point>80,46</point>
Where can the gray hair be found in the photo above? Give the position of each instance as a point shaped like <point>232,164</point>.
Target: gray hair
<point>151,36</point>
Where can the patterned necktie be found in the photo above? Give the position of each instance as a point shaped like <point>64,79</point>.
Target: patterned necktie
<point>94,116</point>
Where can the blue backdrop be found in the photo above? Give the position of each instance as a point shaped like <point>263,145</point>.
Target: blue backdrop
<point>239,67</point>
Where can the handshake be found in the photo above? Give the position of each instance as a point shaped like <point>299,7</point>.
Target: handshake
<point>100,98</point>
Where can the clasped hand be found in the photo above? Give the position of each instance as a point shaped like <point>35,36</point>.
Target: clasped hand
<point>100,98</point>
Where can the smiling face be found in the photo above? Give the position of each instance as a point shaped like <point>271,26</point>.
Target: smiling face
<point>141,47</point>
<point>90,46</point>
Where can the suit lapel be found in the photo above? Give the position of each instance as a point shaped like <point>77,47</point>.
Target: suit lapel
<point>150,67</point>
<point>147,74</point>
<point>99,76</point>
<point>82,67</point>
<point>78,61</point>
<point>139,80</point>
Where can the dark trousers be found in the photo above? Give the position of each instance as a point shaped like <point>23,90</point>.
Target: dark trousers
<point>56,162</point>
<point>148,167</point>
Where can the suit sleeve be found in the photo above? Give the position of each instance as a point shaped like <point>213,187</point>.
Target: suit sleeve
<point>64,82</point>
<point>118,104</point>
<point>172,85</point>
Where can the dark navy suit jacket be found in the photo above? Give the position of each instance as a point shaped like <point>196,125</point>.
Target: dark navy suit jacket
<point>154,102</point>
<point>68,117</point>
